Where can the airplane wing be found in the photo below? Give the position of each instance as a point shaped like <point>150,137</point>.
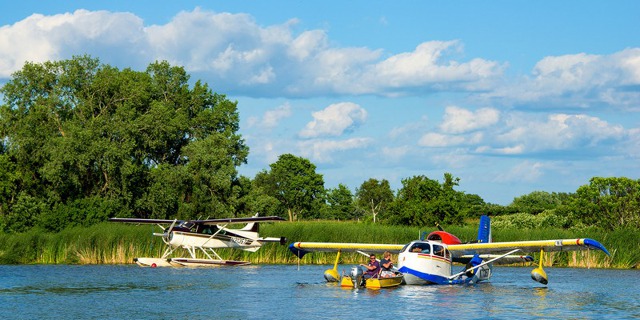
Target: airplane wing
<point>302,248</point>
<point>238,220</point>
<point>527,246</point>
<point>138,220</point>
<point>203,222</point>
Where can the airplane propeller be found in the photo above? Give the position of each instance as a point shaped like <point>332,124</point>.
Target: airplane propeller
<point>166,237</point>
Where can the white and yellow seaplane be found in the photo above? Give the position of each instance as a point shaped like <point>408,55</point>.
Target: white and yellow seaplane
<point>430,259</point>
<point>204,236</point>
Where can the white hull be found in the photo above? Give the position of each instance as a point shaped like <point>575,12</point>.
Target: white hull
<point>152,262</point>
<point>186,262</point>
<point>190,262</point>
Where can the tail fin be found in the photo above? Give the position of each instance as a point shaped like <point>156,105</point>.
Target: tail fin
<point>484,231</point>
<point>251,226</point>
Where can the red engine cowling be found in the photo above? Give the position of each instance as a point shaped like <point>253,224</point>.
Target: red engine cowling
<point>444,237</point>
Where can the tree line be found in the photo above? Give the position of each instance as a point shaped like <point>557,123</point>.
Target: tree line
<point>83,141</point>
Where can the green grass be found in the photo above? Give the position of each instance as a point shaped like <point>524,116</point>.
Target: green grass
<point>111,243</point>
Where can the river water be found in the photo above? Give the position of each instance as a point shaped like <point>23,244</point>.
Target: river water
<point>292,292</point>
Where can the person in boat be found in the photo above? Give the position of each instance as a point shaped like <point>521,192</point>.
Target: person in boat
<point>373,267</point>
<point>386,264</point>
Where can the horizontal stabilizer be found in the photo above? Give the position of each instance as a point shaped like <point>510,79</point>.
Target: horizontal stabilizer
<point>299,249</point>
<point>527,246</point>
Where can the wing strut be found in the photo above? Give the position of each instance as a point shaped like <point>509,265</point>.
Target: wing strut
<point>482,264</point>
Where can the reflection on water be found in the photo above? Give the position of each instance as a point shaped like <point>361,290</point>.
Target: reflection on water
<point>286,292</point>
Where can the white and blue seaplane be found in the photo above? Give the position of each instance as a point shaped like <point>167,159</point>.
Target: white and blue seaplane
<point>204,236</point>
<point>431,259</point>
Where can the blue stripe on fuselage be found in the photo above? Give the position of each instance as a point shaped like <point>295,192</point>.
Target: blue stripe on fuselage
<point>432,278</point>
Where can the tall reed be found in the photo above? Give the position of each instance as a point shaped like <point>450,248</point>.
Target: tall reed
<point>113,243</point>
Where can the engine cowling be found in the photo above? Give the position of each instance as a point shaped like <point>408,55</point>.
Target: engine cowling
<point>444,237</point>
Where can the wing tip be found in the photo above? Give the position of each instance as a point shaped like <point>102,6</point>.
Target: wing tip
<point>297,251</point>
<point>596,245</point>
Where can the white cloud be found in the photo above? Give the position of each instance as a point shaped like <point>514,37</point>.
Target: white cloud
<point>579,80</point>
<point>557,132</point>
<point>40,38</point>
<point>239,56</point>
<point>272,118</point>
<point>514,150</point>
<point>322,151</point>
<point>334,120</point>
<point>459,120</point>
<point>485,131</point>
<point>433,139</point>
<point>424,67</point>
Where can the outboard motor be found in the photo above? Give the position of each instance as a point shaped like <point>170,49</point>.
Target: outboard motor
<point>356,275</point>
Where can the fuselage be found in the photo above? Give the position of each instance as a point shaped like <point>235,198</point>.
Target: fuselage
<point>219,240</point>
<point>430,262</point>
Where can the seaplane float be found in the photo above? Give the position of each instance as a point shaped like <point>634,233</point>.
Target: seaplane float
<point>430,260</point>
<point>204,236</point>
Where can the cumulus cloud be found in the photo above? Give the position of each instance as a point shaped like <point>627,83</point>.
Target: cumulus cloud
<point>323,151</point>
<point>579,80</point>
<point>271,118</point>
<point>557,132</point>
<point>433,139</point>
<point>39,38</point>
<point>425,68</point>
<point>239,56</point>
<point>334,120</point>
<point>460,120</point>
<point>485,131</point>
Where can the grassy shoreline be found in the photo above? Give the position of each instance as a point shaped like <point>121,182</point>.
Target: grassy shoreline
<point>110,243</point>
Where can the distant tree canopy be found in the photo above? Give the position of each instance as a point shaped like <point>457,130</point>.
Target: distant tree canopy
<point>293,181</point>
<point>611,203</point>
<point>425,202</point>
<point>374,197</point>
<point>81,141</point>
<point>80,136</point>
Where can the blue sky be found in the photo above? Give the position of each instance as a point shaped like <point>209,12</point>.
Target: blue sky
<point>509,96</point>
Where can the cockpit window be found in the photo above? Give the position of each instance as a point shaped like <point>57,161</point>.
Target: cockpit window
<point>421,248</point>
<point>438,250</point>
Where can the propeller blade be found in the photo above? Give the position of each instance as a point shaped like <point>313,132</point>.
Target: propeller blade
<point>167,235</point>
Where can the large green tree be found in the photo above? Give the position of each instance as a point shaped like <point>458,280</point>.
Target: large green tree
<point>143,142</point>
<point>424,202</point>
<point>339,204</point>
<point>293,181</point>
<point>373,198</point>
<point>611,203</point>
<point>537,202</point>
